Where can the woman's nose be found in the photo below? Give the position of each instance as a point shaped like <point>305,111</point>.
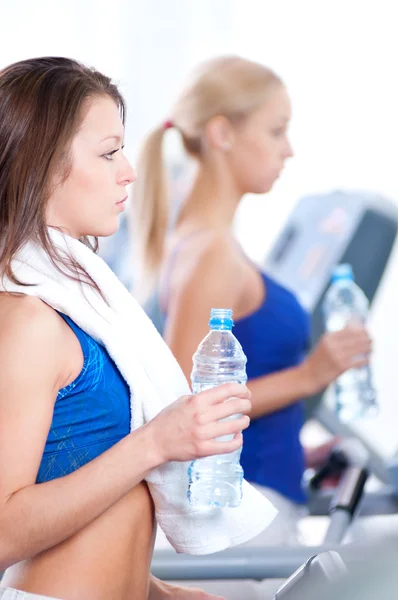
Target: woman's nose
<point>127,174</point>
<point>288,150</point>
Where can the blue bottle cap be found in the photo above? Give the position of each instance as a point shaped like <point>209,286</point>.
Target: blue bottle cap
<point>342,272</point>
<point>221,318</point>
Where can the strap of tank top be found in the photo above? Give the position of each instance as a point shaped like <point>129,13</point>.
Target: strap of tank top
<point>79,333</point>
<point>164,293</point>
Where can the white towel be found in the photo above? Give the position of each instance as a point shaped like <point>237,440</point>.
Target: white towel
<point>155,380</point>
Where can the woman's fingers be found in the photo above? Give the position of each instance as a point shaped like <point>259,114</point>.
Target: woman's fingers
<point>226,409</point>
<point>212,447</point>
<point>220,428</point>
<point>219,394</point>
<point>359,361</point>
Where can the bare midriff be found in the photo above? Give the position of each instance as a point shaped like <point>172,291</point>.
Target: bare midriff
<point>107,560</point>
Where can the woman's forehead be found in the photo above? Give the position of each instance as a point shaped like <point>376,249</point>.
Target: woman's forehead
<point>276,106</point>
<point>101,121</point>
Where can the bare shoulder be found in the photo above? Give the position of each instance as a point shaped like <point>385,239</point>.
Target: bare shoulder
<point>32,334</point>
<point>212,262</point>
<point>216,249</point>
<point>209,262</point>
<point>23,315</point>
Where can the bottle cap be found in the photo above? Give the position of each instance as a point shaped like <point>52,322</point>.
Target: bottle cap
<point>221,318</point>
<point>342,272</point>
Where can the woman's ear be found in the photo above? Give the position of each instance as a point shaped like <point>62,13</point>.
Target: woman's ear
<point>218,133</point>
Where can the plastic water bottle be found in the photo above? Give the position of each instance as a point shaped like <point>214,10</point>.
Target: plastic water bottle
<point>346,303</point>
<point>217,480</point>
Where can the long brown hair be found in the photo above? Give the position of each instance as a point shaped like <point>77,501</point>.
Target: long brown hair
<point>230,86</point>
<point>42,105</point>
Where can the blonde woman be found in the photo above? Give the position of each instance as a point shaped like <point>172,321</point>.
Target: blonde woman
<point>233,118</point>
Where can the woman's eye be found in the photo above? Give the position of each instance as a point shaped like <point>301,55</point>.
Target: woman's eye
<point>278,132</point>
<point>108,155</point>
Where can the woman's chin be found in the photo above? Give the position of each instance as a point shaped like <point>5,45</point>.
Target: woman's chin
<point>262,189</point>
<point>107,230</point>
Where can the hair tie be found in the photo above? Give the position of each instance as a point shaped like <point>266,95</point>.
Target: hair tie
<point>168,125</point>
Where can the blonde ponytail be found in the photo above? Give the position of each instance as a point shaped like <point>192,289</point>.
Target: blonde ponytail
<point>149,214</point>
<point>229,85</point>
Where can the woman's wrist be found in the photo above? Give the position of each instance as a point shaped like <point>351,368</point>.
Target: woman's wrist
<point>146,437</point>
<point>307,380</point>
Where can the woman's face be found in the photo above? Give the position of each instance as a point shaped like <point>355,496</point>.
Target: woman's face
<point>91,198</point>
<point>260,145</point>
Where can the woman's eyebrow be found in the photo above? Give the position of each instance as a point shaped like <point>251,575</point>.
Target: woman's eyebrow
<point>117,138</point>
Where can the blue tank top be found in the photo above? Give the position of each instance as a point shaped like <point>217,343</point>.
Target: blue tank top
<point>90,415</point>
<point>275,337</point>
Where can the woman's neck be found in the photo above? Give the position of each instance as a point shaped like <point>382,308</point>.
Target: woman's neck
<point>212,202</point>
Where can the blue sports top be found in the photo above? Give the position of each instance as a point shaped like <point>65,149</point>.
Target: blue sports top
<point>90,415</point>
<point>275,337</point>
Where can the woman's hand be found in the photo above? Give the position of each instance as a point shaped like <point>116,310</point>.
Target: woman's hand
<point>334,354</point>
<point>159,590</point>
<point>187,429</point>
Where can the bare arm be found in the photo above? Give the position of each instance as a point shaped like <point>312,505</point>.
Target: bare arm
<point>277,390</point>
<point>34,517</point>
<point>215,282</point>
<point>334,354</point>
